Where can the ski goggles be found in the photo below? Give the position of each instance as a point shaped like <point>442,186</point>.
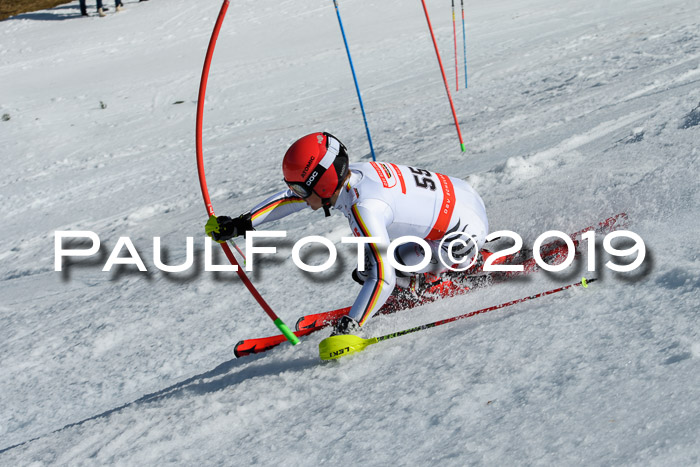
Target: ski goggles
<point>299,189</point>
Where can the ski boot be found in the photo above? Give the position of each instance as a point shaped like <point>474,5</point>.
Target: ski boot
<point>346,325</point>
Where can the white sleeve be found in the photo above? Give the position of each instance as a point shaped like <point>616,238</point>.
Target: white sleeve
<point>276,207</point>
<point>370,219</point>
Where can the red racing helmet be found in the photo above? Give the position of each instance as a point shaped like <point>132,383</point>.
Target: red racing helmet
<point>316,163</point>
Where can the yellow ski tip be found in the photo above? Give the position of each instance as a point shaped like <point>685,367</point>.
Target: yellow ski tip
<point>334,347</point>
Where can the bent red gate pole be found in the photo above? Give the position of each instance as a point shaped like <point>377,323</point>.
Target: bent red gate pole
<point>444,77</point>
<point>203,182</point>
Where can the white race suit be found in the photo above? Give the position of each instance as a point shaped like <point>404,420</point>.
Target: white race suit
<point>387,201</point>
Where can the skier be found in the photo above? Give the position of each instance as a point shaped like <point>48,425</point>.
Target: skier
<point>380,200</point>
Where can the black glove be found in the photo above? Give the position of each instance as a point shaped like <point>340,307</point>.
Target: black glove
<point>224,228</point>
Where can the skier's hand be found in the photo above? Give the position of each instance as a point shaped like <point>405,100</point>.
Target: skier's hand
<point>224,228</point>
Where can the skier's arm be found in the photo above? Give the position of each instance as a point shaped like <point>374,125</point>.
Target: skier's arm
<point>369,219</point>
<point>276,207</point>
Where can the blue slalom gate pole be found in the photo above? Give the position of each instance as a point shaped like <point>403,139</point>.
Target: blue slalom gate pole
<point>354,77</point>
<point>464,42</point>
<point>454,33</point>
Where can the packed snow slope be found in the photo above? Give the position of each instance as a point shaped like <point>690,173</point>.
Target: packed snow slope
<point>575,111</point>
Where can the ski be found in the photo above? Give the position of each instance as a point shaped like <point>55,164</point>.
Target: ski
<point>405,302</point>
<point>263,344</point>
<point>552,252</point>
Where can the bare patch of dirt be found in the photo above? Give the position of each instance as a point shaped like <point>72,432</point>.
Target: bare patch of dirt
<point>14,7</point>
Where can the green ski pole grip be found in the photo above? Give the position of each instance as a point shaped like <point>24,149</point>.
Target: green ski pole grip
<point>294,340</point>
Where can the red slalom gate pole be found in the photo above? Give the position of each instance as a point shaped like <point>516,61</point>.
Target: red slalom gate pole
<point>444,78</point>
<point>284,329</point>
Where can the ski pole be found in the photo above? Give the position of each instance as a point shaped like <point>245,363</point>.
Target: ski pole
<point>354,77</point>
<point>284,329</point>
<point>444,78</point>
<point>464,42</point>
<point>454,33</point>
<point>335,347</point>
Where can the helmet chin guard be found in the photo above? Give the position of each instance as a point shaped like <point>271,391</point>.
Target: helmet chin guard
<point>327,208</point>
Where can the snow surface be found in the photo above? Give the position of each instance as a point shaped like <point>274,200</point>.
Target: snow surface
<point>575,111</point>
